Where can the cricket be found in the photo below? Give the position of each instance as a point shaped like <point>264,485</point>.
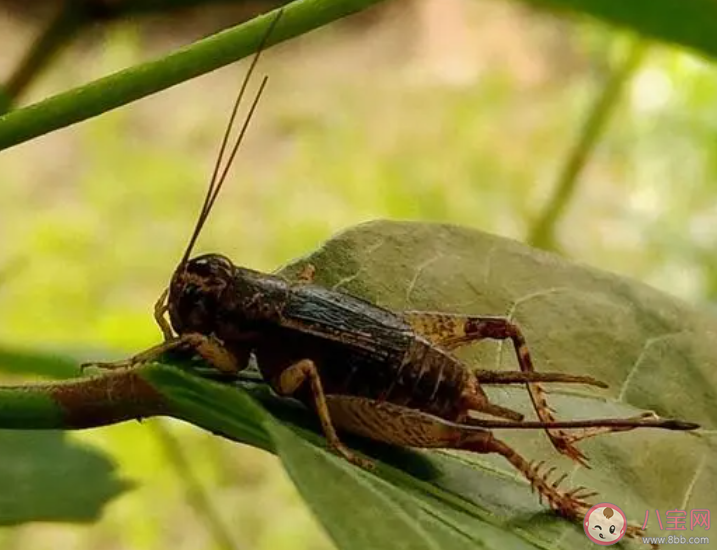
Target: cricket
<point>385,375</point>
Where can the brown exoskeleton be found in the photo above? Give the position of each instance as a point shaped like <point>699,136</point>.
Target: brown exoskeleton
<point>363,369</point>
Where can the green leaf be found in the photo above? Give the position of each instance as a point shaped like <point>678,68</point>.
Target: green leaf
<point>47,477</point>
<point>656,352</point>
<point>690,23</point>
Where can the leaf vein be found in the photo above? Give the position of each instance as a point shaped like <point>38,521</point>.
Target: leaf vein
<point>691,486</point>
<point>419,270</point>
<point>638,362</point>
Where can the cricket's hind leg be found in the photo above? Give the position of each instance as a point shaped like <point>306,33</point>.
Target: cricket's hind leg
<point>451,331</point>
<point>390,423</point>
<point>398,425</point>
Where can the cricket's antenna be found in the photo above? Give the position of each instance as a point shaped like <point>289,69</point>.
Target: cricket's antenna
<point>219,175</point>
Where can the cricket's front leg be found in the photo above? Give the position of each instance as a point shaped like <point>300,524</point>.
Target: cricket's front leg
<point>210,349</point>
<point>451,331</point>
<point>160,310</point>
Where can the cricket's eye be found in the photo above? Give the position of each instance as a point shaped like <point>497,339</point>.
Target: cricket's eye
<point>200,266</point>
<point>191,292</point>
<point>612,528</point>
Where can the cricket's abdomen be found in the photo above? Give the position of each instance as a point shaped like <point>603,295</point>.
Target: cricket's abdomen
<point>431,380</point>
<point>421,376</point>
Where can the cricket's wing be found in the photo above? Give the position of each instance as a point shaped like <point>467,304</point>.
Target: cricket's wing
<point>340,317</point>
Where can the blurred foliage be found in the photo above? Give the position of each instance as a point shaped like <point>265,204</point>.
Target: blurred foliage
<point>413,117</point>
<point>690,23</point>
<point>37,489</point>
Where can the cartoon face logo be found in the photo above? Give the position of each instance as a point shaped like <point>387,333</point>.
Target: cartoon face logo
<point>605,524</point>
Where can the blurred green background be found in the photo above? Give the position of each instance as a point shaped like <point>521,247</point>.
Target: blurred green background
<point>461,111</point>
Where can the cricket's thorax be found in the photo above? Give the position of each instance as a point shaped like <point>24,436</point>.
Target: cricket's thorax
<point>211,295</point>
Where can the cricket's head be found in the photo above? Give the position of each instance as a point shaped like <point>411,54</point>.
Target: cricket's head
<point>196,292</point>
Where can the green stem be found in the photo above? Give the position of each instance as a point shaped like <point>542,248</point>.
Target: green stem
<point>201,57</point>
<point>543,232</point>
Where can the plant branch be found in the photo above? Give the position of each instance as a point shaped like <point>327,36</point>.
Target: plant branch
<point>80,403</point>
<point>133,394</point>
<point>140,81</point>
